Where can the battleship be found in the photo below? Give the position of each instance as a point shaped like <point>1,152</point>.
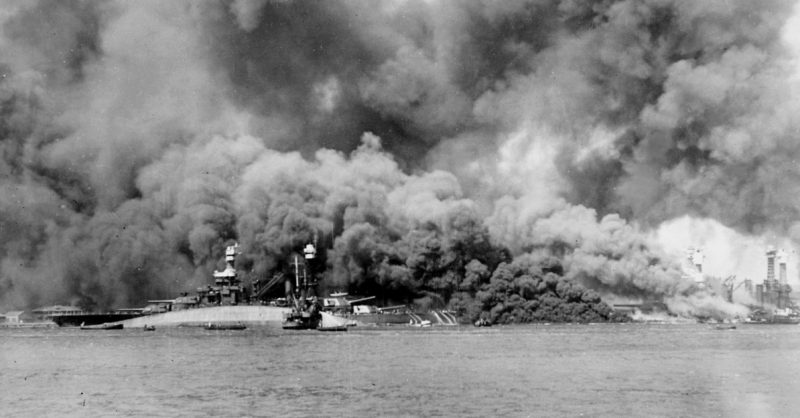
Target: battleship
<point>772,301</point>
<point>305,311</point>
<point>340,310</point>
<point>212,307</point>
<point>220,303</point>
<point>228,302</point>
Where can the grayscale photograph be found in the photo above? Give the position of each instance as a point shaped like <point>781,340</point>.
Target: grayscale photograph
<point>400,208</point>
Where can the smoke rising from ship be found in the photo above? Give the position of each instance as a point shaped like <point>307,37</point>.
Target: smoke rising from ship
<point>138,138</point>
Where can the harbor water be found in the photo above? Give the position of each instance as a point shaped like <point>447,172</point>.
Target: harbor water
<point>535,370</point>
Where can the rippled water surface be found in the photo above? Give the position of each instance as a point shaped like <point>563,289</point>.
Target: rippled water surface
<point>539,370</point>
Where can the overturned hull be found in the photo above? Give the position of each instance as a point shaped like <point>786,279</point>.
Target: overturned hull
<point>75,320</point>
<point>247,315</point>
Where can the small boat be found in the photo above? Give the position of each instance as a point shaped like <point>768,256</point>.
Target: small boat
<point>223,326</point>
<point>296,321</point>
<point>333,328</point>
<point>725,326</point>
<point>149,327</point>
<point>101,326</point>
<point>483,322</point>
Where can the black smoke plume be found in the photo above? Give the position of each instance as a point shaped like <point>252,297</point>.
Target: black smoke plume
<point>506,159</point>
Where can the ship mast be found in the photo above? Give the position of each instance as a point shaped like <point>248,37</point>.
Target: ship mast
<point>304,315</point>
<point>296,273</point>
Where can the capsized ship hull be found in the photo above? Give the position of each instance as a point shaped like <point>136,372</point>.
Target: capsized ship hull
<point>250,315</point>
<point>75,320</point>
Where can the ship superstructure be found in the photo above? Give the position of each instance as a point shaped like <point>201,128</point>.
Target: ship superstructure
<point>300,293</point>
<point>693,267</point>
<point>775,290</point>
<point>772,302</point>
<point>227,290</point>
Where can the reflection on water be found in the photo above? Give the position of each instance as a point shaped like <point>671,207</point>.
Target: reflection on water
<point>540,370</point>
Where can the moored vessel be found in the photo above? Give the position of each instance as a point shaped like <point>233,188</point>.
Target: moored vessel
<point>108,326</point>
<point>220,303</point>
<point>779,316</point>
<point>305,311</point>
<point>78,319</point>
<point>785,319</point>
<point>221,326</point>
<point>483,322</point>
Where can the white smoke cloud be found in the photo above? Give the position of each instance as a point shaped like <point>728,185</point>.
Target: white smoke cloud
<point>727,252</point>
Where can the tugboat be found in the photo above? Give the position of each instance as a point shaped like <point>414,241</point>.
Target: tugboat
<point>221,326</point>
<point>306,311</point>
<point>483,322</point>
<point>108,326</point>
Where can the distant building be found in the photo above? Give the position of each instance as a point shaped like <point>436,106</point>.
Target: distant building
<point>14,317</point>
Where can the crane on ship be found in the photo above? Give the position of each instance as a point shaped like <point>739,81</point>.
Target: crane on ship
<point>730,285</point>
<point>261,289</point>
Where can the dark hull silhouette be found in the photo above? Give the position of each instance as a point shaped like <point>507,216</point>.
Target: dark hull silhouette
<point>91,319</point>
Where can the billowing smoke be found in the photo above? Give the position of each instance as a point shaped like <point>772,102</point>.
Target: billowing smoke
<point>510,160</point>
